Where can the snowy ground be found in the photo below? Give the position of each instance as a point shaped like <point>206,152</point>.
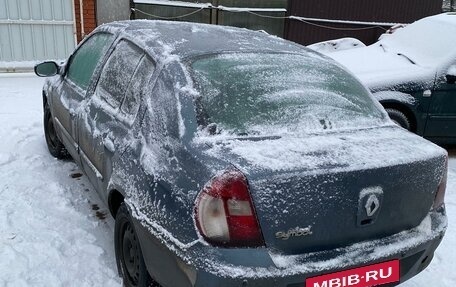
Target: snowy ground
<point>54,231</point>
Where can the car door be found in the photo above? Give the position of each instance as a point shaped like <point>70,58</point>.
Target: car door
<point>106,124</point>
<point>441,122</point>
<point>71,92</point>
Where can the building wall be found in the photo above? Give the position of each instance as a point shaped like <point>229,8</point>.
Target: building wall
<point>89,21</point>
<point>112,10</point>
<point>391,11</point>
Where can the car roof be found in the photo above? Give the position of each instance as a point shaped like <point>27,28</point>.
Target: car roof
<point>163,39</point>
<point>448,18</point>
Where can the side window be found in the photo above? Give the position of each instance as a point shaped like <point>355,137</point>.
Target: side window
<point>139,83</point>
<point>84,62</point>
<point>117,73</point>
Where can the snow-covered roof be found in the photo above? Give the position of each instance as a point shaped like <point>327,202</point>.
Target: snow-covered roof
<point>183,39</point>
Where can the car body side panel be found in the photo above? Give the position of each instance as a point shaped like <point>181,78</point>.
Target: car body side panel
<point>441,120</point>
<point>65,101</point>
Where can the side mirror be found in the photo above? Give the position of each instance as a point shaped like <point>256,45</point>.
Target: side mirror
<point>47,69</point>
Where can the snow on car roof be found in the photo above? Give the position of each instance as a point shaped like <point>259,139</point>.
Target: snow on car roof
<point>183,39</point>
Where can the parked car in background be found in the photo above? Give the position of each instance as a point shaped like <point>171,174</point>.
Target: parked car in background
<point>229,157</point>
<point>336,45</point>
<point>412,72</point>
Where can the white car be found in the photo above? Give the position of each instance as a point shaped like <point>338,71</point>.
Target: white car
<point>412,73</point>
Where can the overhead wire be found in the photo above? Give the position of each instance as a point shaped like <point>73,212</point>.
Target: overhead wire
<point>168,18</point>
<point>297,18</point>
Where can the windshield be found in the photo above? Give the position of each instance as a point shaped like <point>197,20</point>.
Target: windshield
<point>427,42</point>
<point>264,94</point>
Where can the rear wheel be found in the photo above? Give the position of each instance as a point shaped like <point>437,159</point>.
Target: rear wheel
<point>55,146</point>
<point>128,252</point>
<point>399,118</point>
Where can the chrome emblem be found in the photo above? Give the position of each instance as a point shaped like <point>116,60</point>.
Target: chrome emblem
<point>294,232</point>
<point>372,205</point>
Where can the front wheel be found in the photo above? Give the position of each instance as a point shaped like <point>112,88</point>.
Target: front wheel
<point>55,146</point>
<point>399,118</point>
<point>128,252</point>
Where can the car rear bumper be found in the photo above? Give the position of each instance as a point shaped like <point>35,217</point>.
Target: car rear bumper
<point>202,265</point>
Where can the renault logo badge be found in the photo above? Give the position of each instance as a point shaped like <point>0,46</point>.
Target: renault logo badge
<point>372,205</point>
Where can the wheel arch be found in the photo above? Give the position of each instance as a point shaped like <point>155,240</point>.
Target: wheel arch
<point>405,109</point>
<point>115,199</point>
<point>403,102</point>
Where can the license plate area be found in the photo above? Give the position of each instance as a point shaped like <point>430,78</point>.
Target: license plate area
<point>367,276</point>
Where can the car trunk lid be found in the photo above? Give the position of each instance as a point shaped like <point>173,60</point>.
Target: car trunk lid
<point>330,190</point>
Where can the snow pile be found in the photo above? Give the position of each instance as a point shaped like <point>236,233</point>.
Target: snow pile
<point>336,45</point>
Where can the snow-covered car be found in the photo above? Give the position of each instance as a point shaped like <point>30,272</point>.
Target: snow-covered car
<point>331,46</point>
<point>412,72</point>
<point>229,157</point>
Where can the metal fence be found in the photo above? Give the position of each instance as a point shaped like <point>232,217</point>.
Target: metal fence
<point>253,14</point>
<point>33,30</point>
<point>302,21</point>
<point>365,20</point>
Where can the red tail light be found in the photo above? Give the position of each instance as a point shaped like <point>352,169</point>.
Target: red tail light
<point>440,194</point>
<point>224,212</point>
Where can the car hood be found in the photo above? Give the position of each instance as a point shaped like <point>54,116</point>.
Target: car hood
<point>378,67</point>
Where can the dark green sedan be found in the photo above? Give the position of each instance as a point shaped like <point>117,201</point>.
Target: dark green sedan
<point>412,72</point>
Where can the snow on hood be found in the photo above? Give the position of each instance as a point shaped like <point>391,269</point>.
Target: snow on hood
<point>413,54</point>
<point>376,68</point>
<point>344,151</point>
<point>336,45</point>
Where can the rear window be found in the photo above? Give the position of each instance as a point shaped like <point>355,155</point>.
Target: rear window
<point>280,93</point>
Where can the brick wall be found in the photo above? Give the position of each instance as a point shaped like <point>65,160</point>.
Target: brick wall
<point>90,21</point>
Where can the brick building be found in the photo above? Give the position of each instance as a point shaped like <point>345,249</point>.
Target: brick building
<point>96,12</point>
<point>85,17</point>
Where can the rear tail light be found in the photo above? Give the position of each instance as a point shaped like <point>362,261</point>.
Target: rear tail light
<point>224,212</point>
<point>440,194</point>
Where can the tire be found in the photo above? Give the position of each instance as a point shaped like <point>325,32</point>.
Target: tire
<point>399,118</point>
<point>128,252</point>
<point>55,146</point>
